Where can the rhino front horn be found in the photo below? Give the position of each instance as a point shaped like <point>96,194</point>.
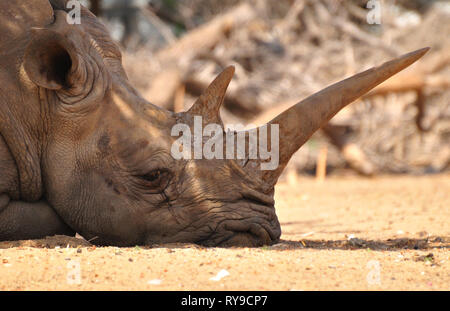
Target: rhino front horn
<point>209,103</point>
<point>298,123</point>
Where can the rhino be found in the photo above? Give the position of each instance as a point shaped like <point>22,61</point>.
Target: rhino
<point>82,152</point>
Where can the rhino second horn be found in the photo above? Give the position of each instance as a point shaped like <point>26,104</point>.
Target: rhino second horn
<point>298,123</point>
<point>209,103</point>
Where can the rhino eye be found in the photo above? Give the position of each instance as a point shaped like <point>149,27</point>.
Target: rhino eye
<point>156,179</point>
<point>152,176</point>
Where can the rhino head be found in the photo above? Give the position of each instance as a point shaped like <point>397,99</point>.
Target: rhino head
<point>84,141</point>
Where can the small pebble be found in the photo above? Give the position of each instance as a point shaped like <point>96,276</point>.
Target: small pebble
<point>220,275</point>
<point>154,282</point>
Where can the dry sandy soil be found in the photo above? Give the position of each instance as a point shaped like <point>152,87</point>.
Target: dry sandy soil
<point>347,233</point>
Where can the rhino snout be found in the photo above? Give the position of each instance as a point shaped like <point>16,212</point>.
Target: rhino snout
<point>249,224</point>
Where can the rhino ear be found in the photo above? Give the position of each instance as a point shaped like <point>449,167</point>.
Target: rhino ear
<point>49,59</point>
<point>64,58</point>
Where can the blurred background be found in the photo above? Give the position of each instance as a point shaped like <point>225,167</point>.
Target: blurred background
<point>285,50</point>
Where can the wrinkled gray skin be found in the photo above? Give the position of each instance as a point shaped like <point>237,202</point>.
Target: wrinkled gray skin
<point>81,151</point>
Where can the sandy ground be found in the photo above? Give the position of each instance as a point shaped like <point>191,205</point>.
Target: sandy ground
<point>347,233</point>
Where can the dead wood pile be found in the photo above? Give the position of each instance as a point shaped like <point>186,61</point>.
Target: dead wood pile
<point>286,50</point>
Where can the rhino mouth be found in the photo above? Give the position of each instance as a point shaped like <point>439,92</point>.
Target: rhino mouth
<point>247,234</point>
<point>257,225</point>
